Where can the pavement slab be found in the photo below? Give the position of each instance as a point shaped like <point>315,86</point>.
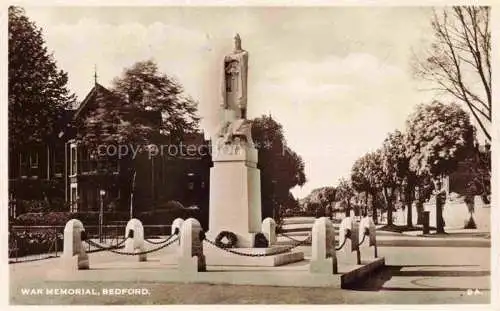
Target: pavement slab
<point>423,275</point>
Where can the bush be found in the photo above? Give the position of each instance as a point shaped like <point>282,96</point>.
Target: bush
<point>61,218</point>
<point>35,242</point>
<point>167,216</point>
<point>42,219</point>
<point>33,206</point>
<point>170,205</point>
<point>41,206</point>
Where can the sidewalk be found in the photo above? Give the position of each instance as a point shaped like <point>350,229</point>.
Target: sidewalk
<point>454,237</point>
<point>419,275</point>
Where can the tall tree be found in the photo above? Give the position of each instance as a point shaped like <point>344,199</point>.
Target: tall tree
<point>323,198</point>
<point>142,104</point>
<point>393,164</point>
<point>144,87</point>
<point>459,59</point>
<point>144,107</point>
<point>367,176</point>
<point>38,93</point>
<point>281,168</point>
<point>344,194</point>
<point>438,136</point>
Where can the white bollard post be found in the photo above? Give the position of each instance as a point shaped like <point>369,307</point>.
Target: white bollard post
<point>176,226</point>
<point>191,258</point>
<point>323,256</point>
<point>367,234</point>
<point>348,240</point>
<point>73,249</point>
<point>134,232</point>
<point>269,230</point>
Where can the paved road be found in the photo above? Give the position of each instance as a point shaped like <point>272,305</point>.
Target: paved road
<point>413,275</point>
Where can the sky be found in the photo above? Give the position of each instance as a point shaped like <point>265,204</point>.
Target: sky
<point>337,78</point>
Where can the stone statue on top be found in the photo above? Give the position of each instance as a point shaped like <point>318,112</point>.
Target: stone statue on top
<point>235,128</point>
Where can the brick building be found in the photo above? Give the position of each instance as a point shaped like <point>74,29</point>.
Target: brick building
<point>63,170</point>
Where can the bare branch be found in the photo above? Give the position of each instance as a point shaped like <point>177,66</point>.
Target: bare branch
<point>461,48</point>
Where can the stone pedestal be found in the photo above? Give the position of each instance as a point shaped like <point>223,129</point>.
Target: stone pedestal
<point>348,238</point>
<point>74,255</point>
<point>134,232</point>
<point>176,226</point>
<point>367,234</point>
<point>269,230</point>
<point>323,257</point>
<point>191,258</point>
<point>235,200</point>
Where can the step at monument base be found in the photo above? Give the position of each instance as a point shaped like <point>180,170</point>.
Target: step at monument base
<point>217,257</point>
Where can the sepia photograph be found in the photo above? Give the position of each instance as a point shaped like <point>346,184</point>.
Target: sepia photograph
<point>242,155</point>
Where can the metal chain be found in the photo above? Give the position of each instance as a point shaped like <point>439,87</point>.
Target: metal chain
<point>294,239</point>
<point>286,250</point>
<point>341,245</point>
<point>345,240</point>
<point>362,240</point>
<point>102,247</point>
<point>161,242</point>
<point>136,253</point>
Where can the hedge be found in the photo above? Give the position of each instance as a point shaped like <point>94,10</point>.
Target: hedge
<point>167,216</point>
<point>34,242</point>
<point>61,218</point>
<point>157,217</point>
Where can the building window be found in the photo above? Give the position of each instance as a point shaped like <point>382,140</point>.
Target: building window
<point>58,161</point>
<point>34,159</point>
<point>74,199</point>
<point>84,160</point>
<point>23,164</point>
<point>73,160</point>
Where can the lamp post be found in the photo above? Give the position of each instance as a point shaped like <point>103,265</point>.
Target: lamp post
<point>274,201</point>
<point>102,193</point>
<point>12,206</point>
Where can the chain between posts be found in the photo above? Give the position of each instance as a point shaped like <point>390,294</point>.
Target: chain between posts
<point>348,234</point>
<point>157,243</point>
<point>90,242</point>
<point>229,250</point>
<point>176,232</point>
<point>363,239</point>
<point>136,253</point>
<point>294,239</point>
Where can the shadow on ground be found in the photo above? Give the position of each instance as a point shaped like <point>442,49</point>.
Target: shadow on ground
<point>485,235</point>
<point>378,279</point>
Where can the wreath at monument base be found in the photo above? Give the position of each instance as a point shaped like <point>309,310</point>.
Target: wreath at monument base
<point>226,239</point>
<point>261,241</point>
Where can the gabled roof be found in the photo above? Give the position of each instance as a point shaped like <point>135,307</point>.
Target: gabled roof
<point>90,98</point>
<point>73,114</point>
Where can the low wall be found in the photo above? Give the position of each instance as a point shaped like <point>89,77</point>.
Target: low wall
<point>455,214</point>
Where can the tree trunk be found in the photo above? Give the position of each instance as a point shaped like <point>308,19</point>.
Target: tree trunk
<point>409,201</point>
<point>439,218</point>
<point>389,206</point>
<point>440,202</point>
<point>366,203</point>
<point>374,208</point>
<point>420,211</point>
<point>132,196</point>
